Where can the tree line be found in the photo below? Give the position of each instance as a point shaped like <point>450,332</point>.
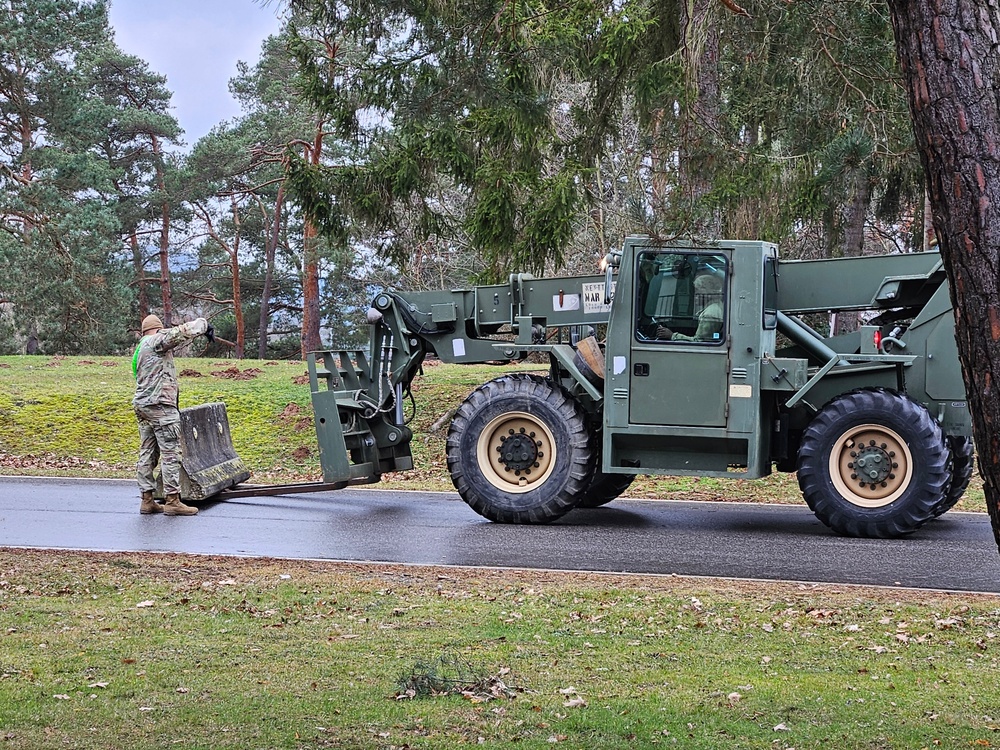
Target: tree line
<point>431,145</point>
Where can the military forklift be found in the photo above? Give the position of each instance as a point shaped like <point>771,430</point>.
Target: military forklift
<point>680,359</point>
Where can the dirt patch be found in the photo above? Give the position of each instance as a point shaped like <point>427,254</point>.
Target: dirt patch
<point>4,366</point>
<point>109,363</point>
<point>189,373</point>
<point>301,453</point>
<point>55,361</point>
<point>85,362</point>
<point>234,373</point>
<point>290,412</point>
<point>301,379</point>
<point>270,364</point>
<point>296,416</point>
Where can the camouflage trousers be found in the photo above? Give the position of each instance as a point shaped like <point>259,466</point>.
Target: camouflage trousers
<point>159,441</point>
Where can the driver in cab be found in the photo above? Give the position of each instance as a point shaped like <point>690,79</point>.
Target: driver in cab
<point>707,286</point>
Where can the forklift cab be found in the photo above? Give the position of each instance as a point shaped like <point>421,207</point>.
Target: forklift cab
<point>686,335</point>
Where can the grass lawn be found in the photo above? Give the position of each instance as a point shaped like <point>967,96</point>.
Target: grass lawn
<point>159,651</point>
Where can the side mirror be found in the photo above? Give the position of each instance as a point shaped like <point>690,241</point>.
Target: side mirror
<point>609,262</point>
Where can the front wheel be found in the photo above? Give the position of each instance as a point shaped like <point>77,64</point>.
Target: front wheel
<point>519,450</point>
<point>873,463</point>
<point>604,488</point>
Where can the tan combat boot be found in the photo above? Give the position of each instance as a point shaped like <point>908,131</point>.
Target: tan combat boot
<point>174,507</point>
<point>149,505</point>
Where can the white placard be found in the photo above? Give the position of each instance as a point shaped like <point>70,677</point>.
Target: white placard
<point>593,298</point>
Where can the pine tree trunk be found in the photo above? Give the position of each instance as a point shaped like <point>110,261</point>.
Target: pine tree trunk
<point>165,294</point>
<point>140,275</point>
<point>950,58</point>
<point>310,290</point>
<point>699,118</point>
<point>265,296</point>
<point>310,267</point>
<point>234,262</point>
<point>855,214</point>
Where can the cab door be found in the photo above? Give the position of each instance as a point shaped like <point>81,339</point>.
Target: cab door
<point>680,345</point>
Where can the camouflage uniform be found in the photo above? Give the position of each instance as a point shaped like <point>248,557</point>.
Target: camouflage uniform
<point>155,404</point>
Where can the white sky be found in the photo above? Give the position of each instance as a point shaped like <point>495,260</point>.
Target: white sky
<point>196,45</point>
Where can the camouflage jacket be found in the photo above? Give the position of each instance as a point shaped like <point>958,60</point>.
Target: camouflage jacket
<point>153,364</point>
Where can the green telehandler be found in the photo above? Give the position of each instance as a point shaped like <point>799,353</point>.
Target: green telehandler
<point>683,359</point>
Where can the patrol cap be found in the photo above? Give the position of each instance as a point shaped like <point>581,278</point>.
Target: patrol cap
<point>151,323</point>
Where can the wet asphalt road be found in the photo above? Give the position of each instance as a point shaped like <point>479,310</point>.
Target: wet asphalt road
<point>956,552</point>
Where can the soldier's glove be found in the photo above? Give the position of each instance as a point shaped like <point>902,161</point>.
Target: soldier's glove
<point>210,333</point>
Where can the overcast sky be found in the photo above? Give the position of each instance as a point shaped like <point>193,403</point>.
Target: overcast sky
<point>196,45</point>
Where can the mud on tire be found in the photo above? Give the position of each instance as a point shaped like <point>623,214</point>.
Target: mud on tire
<point>519,450</point>
<point>873,463</point>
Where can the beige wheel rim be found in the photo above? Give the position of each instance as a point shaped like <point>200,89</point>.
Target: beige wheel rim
<point>871,466</point>
<point>516,452</point>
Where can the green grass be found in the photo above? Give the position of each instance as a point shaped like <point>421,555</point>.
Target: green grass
<point>154,651</point>
<point>63,416</point>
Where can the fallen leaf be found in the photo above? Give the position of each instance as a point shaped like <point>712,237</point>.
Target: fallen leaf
<point>147,603</point>
<point>575,703</point>
<point>781,728</point>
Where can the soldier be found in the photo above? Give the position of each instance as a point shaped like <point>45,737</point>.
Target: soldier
<point>155,405</point>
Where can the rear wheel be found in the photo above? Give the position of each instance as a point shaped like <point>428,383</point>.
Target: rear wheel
<point>873,463</point>
<point>962,453</point>
<point>519,450</point>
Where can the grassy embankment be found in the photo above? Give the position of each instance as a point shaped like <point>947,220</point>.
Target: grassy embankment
<point>154,651</point>
<point>73,416</point>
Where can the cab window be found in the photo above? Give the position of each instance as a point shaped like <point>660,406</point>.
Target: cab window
<point>681,298</point>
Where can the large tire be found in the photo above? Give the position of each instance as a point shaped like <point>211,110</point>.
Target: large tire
<point>962,452</point>
<point>891,441</point>
<point>604,488</point>
<point>519,450</point>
